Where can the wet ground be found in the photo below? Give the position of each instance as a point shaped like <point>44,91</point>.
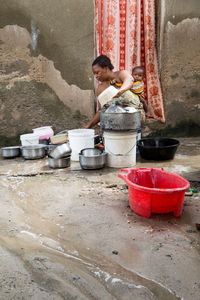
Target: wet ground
<point>70,234</point>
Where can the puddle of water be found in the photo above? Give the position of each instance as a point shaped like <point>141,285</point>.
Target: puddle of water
<point>128,278</point>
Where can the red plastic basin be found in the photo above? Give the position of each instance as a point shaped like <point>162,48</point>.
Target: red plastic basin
<point>152,190</point>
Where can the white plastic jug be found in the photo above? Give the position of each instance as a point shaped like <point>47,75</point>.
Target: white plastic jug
<point>121,149</point>
<point>29,139</point>
<point>80,139</point>
<point>107,95</point>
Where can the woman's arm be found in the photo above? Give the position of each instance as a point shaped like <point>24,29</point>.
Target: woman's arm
<point>127,79</point>
<point>94,120</point>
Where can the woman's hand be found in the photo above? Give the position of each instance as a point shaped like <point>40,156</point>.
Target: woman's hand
<point>120,92</point>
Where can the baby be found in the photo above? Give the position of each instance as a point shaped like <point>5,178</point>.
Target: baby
<point>138,85</point>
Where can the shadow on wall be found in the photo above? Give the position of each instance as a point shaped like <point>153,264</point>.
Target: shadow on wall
<point>186,128</point>
<point>28,105</point>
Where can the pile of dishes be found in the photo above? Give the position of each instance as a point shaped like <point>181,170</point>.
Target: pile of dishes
<point>60,156</point>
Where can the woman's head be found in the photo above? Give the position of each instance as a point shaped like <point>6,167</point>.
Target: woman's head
<point>101,67</point>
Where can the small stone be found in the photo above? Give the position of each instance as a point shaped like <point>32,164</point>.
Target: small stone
<point>115,252</point>
<point>111,186</point>
<point>128,221</point>
<point>60,215</point>
<point>133,239</point>
<point>76,278</point>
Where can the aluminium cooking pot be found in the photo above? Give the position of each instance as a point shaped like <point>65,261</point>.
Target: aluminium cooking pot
<point>10,152</point>
<point>60,151</point>
<point>92,158</point>
<point>33,151</point>
<point>63,162</point>
<point>124,121</point>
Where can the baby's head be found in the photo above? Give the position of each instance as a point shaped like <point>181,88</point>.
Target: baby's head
<point>138,73</point>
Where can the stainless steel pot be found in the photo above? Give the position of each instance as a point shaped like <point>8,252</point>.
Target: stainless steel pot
<point>61,151</point>
<point>92,158</point>
<point>120,121</point>
<point>33,151</point>
<point>63,162</point>
<point>49,148</point>
<point>10,152</point>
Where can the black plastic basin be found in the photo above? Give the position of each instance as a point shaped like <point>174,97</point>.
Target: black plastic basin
<point>157,148</point>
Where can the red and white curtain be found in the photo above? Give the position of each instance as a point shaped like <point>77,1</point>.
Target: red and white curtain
<point>125,32</point>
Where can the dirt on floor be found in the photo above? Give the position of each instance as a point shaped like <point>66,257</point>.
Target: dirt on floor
<point>70,234</point>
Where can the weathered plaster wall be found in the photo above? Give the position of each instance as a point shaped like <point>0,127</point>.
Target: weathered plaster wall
<point>179,59</point>
<point>45,46</point>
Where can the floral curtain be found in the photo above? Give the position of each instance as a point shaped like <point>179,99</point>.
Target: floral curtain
<point>125,31</point>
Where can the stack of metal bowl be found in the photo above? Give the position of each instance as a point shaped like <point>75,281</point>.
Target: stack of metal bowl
<point>60,156</point>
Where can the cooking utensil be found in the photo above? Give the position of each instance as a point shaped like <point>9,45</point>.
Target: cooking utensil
<point>92,158</point>
<point>125,121</point>
<point>34,151</point>
<point>49,148</point>
<point>10,152</point>
<point>157,148</point>
<point>63,162</point>
<point>61,151</point>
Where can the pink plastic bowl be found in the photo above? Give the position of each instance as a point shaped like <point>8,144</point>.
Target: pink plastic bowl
<point>44,132</point>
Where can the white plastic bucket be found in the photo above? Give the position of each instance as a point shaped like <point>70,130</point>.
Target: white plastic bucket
<point>121,149</point>
<point>29,139</point>
<point>80,139</point>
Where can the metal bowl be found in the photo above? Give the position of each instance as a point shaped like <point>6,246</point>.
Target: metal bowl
<point>92,159</point>
<point>63,162</point>
<point>33,151</point>
<point>61,151</point>
<point>10,152</point>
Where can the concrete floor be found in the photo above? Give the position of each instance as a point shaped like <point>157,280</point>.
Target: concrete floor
<point>70,234</point>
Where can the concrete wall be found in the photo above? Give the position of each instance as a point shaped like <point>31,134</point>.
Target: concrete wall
<point>178,31</point>
<point>46,51</point>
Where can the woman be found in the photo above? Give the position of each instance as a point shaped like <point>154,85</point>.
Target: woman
<point>103,71</point>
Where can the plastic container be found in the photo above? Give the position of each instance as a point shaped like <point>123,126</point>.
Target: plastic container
<point>80,139</point>
<point>29,139</point>
<point>153,190</point>
<point>157,148</point>
<point>107,95</point>
<point>44,132</point>
<point>121,149</point>
<point>59,138</point>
